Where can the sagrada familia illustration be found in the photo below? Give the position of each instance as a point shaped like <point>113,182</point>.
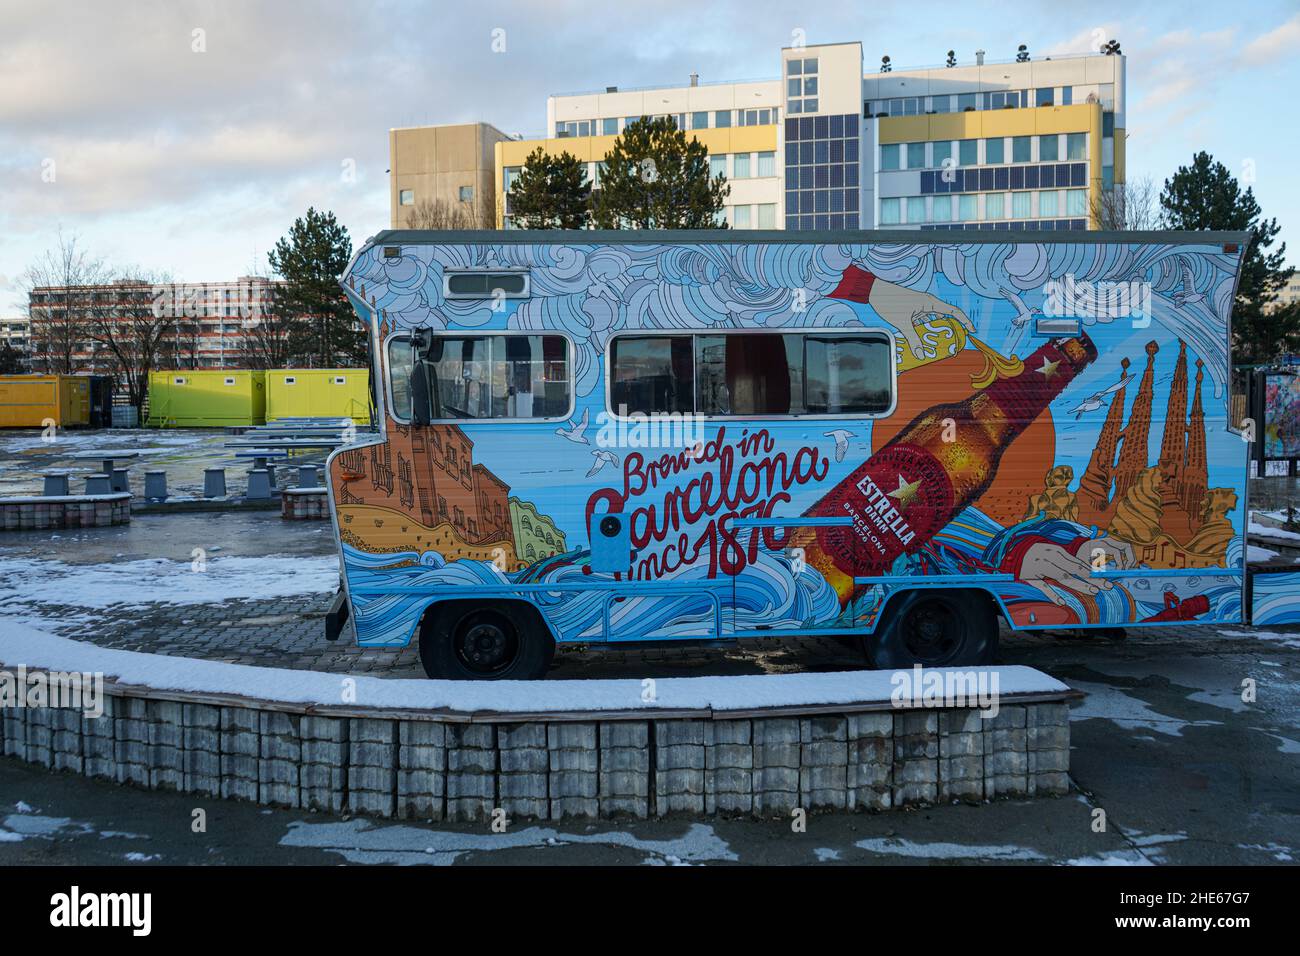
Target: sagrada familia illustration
<point>1166,511</point>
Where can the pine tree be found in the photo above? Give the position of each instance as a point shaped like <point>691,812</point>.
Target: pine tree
<point>1206,196</point>
<point>310,260</point>
<point>655,179</point>
<point>551,192</point>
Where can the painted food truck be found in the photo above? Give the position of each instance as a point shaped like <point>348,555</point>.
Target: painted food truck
<point>892,438</point>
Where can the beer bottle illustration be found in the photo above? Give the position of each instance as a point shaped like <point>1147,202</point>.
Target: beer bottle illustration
<point>909,490</point>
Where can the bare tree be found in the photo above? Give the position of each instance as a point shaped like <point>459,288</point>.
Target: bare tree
<point>132,321</point>
<point>443,214</point>
<point>268,339</point>
<point>1128,206</point>
<point>60,286</point>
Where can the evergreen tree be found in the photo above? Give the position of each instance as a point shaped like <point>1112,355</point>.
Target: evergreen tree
<point>655,179</point>
<point>551,192</point>
<point>310,260</point>
<point>1206,196</point>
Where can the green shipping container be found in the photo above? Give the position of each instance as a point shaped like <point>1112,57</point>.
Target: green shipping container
<point>207,398</point>
<point>318,393</point>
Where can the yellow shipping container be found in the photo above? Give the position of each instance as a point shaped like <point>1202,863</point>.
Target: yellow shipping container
<point>318,393</point>
<point>32,401</point>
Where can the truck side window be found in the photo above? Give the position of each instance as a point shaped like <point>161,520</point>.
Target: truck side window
<point>763,374</point>
<point>484,377</point>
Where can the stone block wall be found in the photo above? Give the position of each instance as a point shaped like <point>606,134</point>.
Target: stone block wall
<point>71,511</point>
<point>409,767</point>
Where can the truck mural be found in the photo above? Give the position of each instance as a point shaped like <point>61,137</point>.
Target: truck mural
<point>892,437</point>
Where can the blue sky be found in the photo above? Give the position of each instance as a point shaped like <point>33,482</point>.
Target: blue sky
<point>193,163</point>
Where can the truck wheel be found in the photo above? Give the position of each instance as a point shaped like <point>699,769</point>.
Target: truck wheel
<point>935,629</point>
<point>485,641</point>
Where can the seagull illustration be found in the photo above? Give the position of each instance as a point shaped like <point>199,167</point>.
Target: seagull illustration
<point>575,433</point>
<point>1189,295</point>
<point>1093,402</point>
<point>1023,312</point>
<point>602,458</point>
<point>841,437</point>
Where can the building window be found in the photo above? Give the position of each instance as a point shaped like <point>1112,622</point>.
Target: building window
<point>1049,148</point>
<point>968,209</point>
<point>1020,149</point>
<point>994,151</point>
<point>1021,204</point>
<point>889,156</point>
<point>915,209</point>
<point>942,150</point>
<point>1067,95</point>
<point>406,197</point>
<point>717,166</point>
<point>941,209</point>
<point>994,206</point>
<point>1076,202</point>
<point>767,164</point>
<point>740,217</point>
<point>722,119</point>
<point>965,102</point>
<point>767,215</point>
<point>1108,177</point>
<point>968,152</point>
<point>1044,97</point>
<point>915,155</point>
<point>1107,124</point>
<point>740,166</point>
<point>609,126</point>
<point>889,212</point>
<point>466,193</point>
<point>746,374</point>
<point>700,120</point>
<point>1075,146</point>
<point>1047,203</point>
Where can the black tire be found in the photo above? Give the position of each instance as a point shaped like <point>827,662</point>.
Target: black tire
<point>935,628</point>
<point>485,640</point>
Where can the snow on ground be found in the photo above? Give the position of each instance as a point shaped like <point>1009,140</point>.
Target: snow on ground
<point>1256,553</point>
<point>362,841</point>
<point>1105,702</point>
<point>22,644</point>
<point>32,581</point>
<point>897,846</point>
<point>100,441</point>
<point>1286,640</point>
<point>1268,531</point>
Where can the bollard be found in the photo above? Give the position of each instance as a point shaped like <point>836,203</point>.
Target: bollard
<point>56,485</point>
<point>98,484</point>
<point>119,480</point>
<point>214,482</point>
<point>259,485</point>
<point>155,485</point>
<point>306,476</point>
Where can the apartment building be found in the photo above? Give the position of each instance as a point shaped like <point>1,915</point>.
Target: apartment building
<point>1029,143</point>
<point>210,320</point>
<point>443,176</point>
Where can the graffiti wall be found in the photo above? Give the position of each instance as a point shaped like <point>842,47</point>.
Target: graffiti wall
<point>1282,414</point>
<point>1056,429</point>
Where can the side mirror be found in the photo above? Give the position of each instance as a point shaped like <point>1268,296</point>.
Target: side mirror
<point>420,391</point>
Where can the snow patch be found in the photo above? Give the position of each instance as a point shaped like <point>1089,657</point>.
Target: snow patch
<point>897,846</point>
<point>20,644</point>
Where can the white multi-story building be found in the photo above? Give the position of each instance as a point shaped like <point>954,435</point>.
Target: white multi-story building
<point>981,144</point>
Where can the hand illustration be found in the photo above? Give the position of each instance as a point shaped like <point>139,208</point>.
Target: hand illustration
<point>903,308</point>
<point>1045,560</point>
